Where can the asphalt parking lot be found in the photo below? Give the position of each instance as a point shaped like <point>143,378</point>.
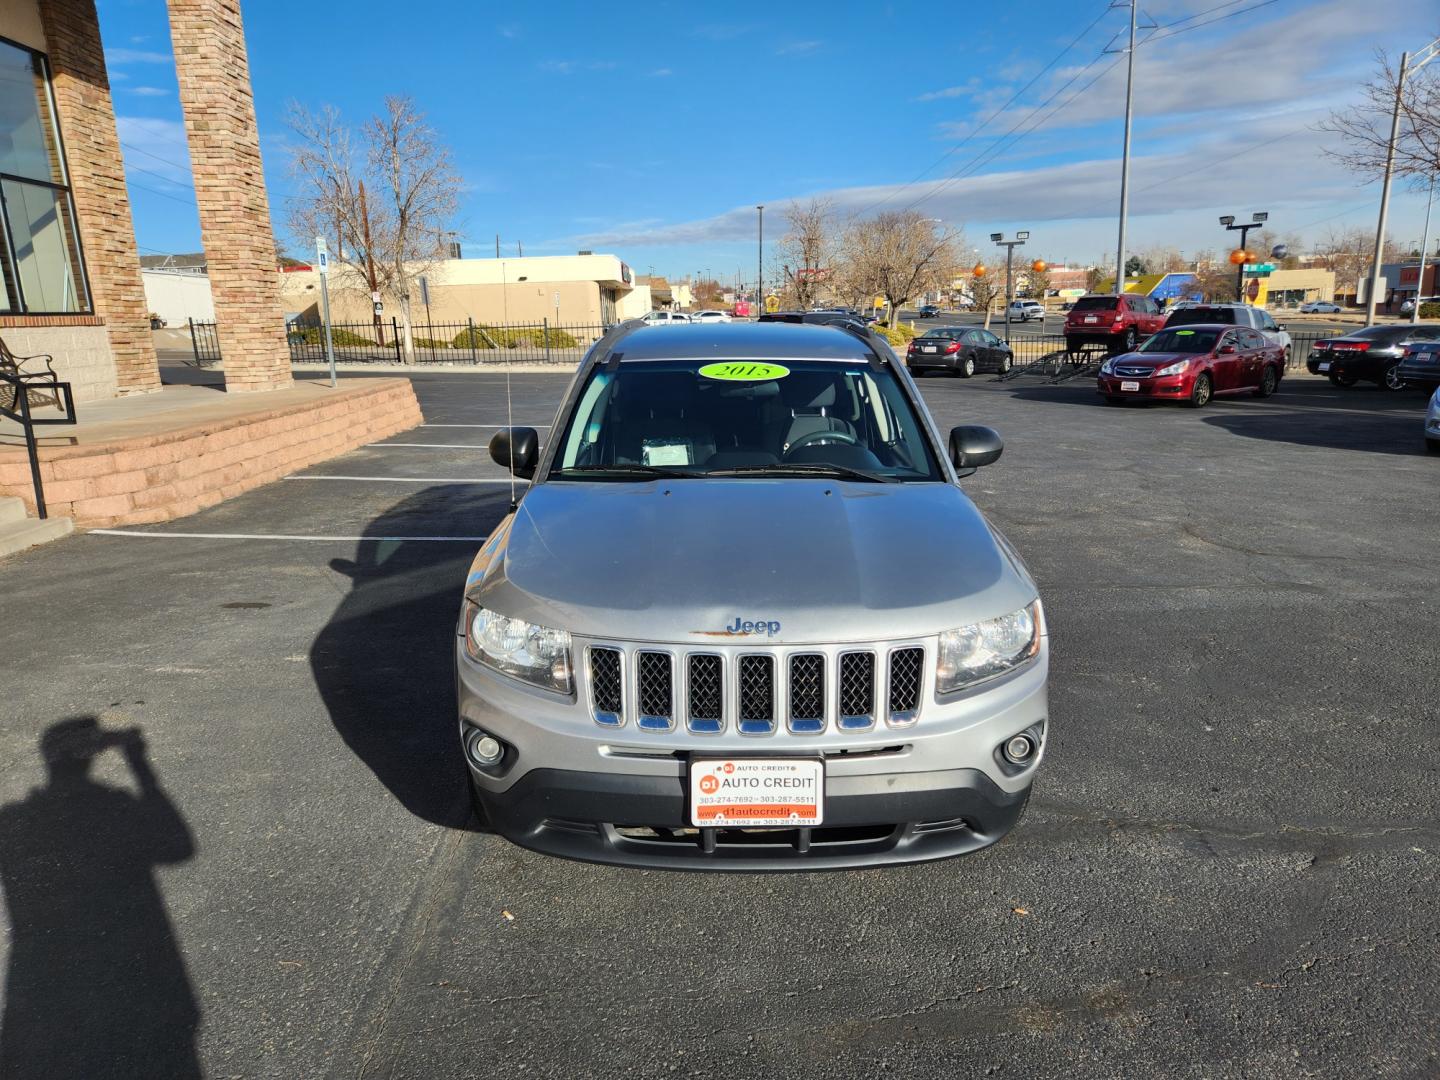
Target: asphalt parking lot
<point>1231,866</point>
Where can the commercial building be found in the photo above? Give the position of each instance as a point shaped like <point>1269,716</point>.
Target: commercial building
<point>567,290</point>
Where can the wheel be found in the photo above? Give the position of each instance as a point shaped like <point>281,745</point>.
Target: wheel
<point>1130,340</point>
<point>1006,362</point>
<point>967,367</point>
<point>1287,356</point>
<point>1337,379</point>
<point>1391,380</point>
<point>1268,382</point>
<point>1201,392</point>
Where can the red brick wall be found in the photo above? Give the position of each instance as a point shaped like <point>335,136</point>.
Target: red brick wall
<point>97,179</point>
<point>214,75</point>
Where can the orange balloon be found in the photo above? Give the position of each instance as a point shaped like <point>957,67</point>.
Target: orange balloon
<point>1238,256</point>
<point>979,270</point>
<point>1039,266</point>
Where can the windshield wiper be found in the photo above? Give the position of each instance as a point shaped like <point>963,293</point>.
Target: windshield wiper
<point>649,472</point>
<point>805,469</point>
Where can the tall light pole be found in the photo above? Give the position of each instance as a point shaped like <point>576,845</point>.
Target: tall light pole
<point>760,256</point>
<point>1256,220</point>
<point>1125,157</point>
<point>1009,246</point>
<point>1424,243</point>
<point>1423,57</point>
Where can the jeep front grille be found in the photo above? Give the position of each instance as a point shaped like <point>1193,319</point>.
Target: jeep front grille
<point>857,691</point>
<point>807,693</point>
<point>706,696</point>
<point>655,691</point>
<point>907,675</point>
<point>703,692</point>
<point>757,695</point>
<point>606,701</point>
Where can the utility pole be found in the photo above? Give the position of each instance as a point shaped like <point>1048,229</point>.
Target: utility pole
<point>1425,243</point>
<point>370,267</point>
<point>497,245</point>
<point>1009,246</point>
<point>1124,161</point>
<point>760,258</point>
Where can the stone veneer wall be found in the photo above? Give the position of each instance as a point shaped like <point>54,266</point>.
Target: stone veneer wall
<point>214,75</point>
<point>97,180</point>
<point>81,354</point>
<point>149,478</point>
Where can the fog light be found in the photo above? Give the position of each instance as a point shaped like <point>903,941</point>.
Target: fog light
<point>485,750</point>
<point>1019,749</point>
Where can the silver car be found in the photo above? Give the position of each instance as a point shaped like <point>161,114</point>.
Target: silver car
<point>1432,423</point>
<point>744,618</point>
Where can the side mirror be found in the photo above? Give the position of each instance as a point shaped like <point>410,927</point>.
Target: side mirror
<point>516,449</point>
<point>972,446</point>
<point>1280,326</point>
<point>1223,350</point>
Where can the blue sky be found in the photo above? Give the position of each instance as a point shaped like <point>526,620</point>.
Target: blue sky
<point>577,125</point>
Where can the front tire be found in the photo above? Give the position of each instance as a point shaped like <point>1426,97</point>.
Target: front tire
<point>1201,392</point>
<point>1268,383</point>
<point>1006,363</point>
<point>966,367</point>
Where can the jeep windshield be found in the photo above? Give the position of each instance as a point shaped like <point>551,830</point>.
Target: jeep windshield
<point>694,418</point>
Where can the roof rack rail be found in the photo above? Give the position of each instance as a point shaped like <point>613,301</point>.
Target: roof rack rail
<point>870,338</point>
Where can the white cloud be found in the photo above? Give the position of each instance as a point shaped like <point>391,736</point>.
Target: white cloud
<point>509,30</point>
<point>137,56</point>
<point>797,48</point>
<point>661,73</point>
<point>147,91</point>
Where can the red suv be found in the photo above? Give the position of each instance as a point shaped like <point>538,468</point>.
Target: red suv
<point>1117,322</point>
<point>1193,364</point>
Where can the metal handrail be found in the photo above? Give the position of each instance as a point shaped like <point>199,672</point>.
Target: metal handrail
<point>22,416</point>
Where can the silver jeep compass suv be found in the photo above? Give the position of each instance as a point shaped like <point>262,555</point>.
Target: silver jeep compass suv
<point>745,619</point>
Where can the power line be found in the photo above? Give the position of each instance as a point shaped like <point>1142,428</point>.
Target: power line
<point>157,157</point>
<point>162,194</point>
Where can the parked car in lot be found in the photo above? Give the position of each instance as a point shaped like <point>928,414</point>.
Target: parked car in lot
<point>1320,307</point>
<point>1118,322</point>
<point>1194,364</point>
<point>660,318</point>
<point>1420,364</point>
<point>711,316</point>
<point>1409,305</point>
<point>1371,353</point>
<point>1025,310</point>
<point>959,350</point>
<point>1432,423</point>
<point>1232,315</point>
<point>928,311</point>
<point>813,702</point>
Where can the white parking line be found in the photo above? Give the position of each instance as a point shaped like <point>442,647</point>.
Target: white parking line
<point>281,536</point>
<point>415,479</point>
<point>487,426</point>
<point>437,445</point>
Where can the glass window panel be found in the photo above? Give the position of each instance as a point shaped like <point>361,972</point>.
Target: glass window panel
<point>42,237</point>
<point>27,136</point>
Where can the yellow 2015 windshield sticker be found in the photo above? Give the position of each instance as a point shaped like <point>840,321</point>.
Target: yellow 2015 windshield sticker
<point>744,371</point>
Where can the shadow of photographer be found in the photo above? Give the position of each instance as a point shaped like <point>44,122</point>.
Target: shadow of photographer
<point>96,985</point>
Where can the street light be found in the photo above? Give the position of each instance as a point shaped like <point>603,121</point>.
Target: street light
<point>760,257</point>
<point>1240,256</point>
<point>1009,246</point>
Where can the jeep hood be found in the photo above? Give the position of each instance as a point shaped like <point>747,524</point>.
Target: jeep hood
<point>680,560</point>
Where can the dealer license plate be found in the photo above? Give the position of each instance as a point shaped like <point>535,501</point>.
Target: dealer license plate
<point>748,792</point>
<point>927,348</point>
<point>1092,318</point>
<point>1129,386</point>
<point>1322,367</point>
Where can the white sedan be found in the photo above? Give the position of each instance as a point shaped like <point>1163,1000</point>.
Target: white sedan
<point>710,316</point>
<point>1320,307</point>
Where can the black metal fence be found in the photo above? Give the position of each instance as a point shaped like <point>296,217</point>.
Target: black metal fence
<point>468,343</point>
<point>1029,348</point>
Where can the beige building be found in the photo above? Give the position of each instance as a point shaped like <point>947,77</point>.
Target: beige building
<point>565,290</point>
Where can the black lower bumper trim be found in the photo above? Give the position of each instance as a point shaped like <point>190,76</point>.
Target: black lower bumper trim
<point>643,822</point>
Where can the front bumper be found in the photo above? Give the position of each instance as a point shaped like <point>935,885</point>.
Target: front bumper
<point>935,788</point>
<point>1173,387</point>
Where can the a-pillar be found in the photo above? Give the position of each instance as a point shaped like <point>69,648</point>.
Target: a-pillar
<point>97,179</point>
<point>219,108</point>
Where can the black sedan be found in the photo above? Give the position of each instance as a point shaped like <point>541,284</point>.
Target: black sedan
<point>929,311</point>
<point>1372,353</point>
<point>960,350</point>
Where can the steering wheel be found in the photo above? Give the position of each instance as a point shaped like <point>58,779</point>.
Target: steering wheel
<point>844,438</point>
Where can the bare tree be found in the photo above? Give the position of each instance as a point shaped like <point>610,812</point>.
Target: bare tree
<point>1364,128</point>
<point>1346,252</point>
<point>807,249</point>
<point>413,193</point>
<point>898,255</point>
<point>1163,259</point>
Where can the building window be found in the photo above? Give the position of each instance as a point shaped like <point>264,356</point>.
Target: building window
<point>40,260</point>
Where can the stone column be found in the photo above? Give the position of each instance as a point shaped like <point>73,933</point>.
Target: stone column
<point>215,94</point>
<point>97,180</point>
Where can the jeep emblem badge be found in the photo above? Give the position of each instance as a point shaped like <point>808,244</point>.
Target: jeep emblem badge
<point>744,626</point>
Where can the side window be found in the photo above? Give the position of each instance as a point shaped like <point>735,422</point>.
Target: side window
<point>1254,339</point>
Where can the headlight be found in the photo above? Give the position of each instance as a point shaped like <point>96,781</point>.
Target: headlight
<point>1177,368</point>
<point>1108,367</point>
<point>976,652</point>
<point>536,654</point>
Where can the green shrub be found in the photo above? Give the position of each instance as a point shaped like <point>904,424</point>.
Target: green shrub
<point>894,337</point>
<point>1430,311</point>
<point>315,335</point>
<point>490,337</point>
<point>430,343</point>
